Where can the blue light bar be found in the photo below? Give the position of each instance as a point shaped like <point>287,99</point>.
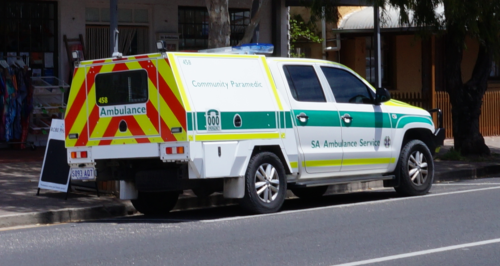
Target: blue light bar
<point>248,48</point>
<point>255,48</point>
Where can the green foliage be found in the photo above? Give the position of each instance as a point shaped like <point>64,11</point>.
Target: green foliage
<point>479,19</point>
<point>301,31</point>
<point>452,155</point>
<point>330,8</point>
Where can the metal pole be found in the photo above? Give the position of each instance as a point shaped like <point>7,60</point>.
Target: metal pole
<point>113,24</point>
<point>323,32</point>
<point>256,33</point>
<point>377,47</point>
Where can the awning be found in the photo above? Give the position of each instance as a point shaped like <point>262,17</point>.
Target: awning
<point>362,20</point>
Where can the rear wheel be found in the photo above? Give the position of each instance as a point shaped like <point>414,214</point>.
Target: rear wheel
<point>155,203</point>
<point>265,184</point>
<point>415,169</point>
<point>310,193</point>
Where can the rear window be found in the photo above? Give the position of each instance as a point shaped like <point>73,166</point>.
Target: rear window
<point>124,87</point>
<point>304,84</point>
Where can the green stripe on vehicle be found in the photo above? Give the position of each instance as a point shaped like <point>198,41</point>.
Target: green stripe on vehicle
<point>405,120</point>
<point>249,120</point>
<point>189,121</point>
<point>282,119</point>
<point>318,118</point>
<point>367,119</point>
<point>285,120</point>
<point>288,120</point>
<point>201,121</point>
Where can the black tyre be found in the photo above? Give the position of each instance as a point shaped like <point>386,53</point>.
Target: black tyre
<point>310,193</point>
<point>155,203</point>
<point>265,184</point>
<point>415,169</point>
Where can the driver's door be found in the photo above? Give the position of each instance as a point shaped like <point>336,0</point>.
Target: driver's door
<point>366,127</point>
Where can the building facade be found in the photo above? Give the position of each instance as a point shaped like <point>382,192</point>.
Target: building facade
<point>35,30</point>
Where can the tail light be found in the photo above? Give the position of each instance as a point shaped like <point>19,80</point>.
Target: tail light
<point>79,154</point>
<point>174,150</point>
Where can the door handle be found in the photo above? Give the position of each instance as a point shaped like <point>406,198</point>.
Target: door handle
<point>302,117</point>
<point>347,118</point>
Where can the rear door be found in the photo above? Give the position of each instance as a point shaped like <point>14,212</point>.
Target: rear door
<point>316,120</point>
<point>122,102</point>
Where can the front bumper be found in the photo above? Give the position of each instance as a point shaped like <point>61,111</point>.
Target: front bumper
<point>439,136</point>
<point>440,133</point>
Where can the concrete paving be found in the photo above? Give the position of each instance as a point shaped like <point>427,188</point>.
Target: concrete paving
<point>20,171</point>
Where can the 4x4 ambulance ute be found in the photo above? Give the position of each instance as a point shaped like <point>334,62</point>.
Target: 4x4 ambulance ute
<point>248,126</point>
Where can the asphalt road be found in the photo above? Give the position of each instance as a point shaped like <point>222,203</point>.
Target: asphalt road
<point>456,224</point>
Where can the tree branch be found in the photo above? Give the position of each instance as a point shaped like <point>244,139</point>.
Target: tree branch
<point>249,31</point>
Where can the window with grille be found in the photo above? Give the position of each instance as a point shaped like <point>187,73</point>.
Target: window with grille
<point>29,31</point>
<point>193,26</point>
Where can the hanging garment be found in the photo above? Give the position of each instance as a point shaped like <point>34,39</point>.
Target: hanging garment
<point>10,106</point>
<point>21,93</point>
<point>27,108</point>
<point>3,90</point>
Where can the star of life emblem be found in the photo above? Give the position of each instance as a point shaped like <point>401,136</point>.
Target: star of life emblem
<point>387,142</point>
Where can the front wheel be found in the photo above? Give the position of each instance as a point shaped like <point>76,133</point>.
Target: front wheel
<point>415,169</point>
<point>265,184</point>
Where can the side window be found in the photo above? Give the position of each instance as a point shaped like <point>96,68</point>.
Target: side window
<point>304,84</point>
<point>346,87</point>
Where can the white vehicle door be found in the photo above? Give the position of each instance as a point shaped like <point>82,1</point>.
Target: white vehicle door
<point>366,127</point>
<point>315,118</point>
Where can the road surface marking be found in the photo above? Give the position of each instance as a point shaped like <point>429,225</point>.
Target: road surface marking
<point>420,253</point>
<point>466,184</point>
<point>350,205</point>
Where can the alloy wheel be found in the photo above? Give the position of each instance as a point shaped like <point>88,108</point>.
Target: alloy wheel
<point>267,182</point>
<point>417,168</point>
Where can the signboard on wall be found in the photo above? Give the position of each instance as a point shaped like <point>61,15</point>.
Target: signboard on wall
<point>171,40</point>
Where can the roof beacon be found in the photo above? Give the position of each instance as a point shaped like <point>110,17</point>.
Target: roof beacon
<point>248,48</point>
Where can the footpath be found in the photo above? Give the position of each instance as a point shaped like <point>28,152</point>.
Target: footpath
<point>20,171</point>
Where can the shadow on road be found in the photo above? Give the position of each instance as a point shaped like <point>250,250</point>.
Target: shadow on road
<point>235,211</point>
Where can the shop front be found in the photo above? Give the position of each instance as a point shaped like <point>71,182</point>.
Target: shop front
<point>37,37</point>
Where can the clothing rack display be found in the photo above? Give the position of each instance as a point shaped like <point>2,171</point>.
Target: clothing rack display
<point>48,103</point>
<point>16,102</point>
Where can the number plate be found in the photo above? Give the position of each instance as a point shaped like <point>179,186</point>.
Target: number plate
<point>83,174</point>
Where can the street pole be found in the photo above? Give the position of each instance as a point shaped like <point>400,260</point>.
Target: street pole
<point>377,47</point>
<point>323,32</point>
<point>113,24</point>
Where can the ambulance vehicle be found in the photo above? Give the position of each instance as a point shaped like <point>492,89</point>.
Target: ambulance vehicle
<point>241,124</point>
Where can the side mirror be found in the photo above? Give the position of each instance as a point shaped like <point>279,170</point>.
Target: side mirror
<point>382,95</point>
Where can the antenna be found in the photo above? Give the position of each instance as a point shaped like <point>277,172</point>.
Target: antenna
<point>115,52</point>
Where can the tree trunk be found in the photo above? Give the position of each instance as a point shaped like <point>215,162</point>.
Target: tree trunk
<point>466,99</point>
<point>219,24</point>
<point>254,23</point>
<point>469,140</point>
